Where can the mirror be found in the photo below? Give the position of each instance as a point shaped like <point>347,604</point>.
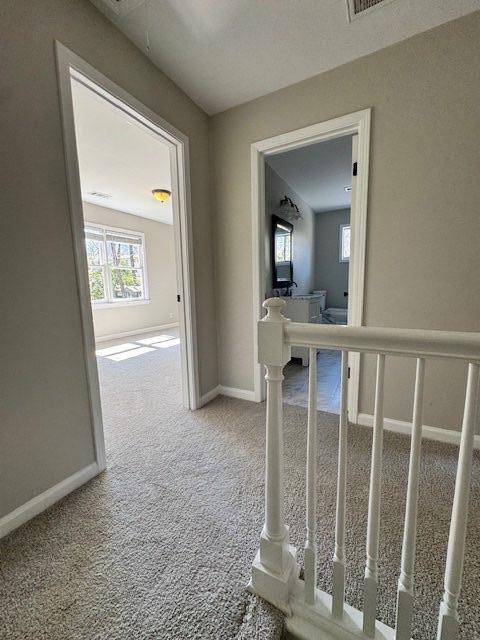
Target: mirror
<point>282,263</point>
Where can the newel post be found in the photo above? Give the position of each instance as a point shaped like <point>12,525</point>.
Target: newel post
<point>274,569</point>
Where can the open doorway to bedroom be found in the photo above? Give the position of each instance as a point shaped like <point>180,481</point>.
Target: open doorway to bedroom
<point>131,225</point>
<point>126,187</point>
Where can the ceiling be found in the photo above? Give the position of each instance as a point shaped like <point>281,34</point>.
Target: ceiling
<point>120,157</point>
<point>319,173</point>
<point>225,52</point>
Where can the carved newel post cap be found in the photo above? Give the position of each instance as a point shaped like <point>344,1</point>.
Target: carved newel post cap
<point>274,308</point>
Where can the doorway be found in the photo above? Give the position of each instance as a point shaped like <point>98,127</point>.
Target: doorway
<point>116,247</point>
<point>356,128</point>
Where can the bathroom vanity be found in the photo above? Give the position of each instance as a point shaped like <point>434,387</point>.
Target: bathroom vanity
<point>306,308</point>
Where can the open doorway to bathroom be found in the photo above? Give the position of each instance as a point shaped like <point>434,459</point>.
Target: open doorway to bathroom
<point>307,248</point>
<point>355,126</point>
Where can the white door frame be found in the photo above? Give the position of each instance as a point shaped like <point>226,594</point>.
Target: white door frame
<point>357,124</point>
<point>69,66</point>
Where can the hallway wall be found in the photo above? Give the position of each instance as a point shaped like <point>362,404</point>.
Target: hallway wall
<point>46,429</point>
<point>423,262</point>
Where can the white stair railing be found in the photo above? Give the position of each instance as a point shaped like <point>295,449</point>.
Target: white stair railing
<point>338,593</point>
<point>312,613</point>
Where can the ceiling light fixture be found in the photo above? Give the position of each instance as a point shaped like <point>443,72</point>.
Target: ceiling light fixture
<point>162,195</point>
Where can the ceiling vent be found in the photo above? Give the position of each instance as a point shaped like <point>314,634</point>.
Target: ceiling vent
<point>122,7</point>
<point>99,194</point>
<point>357,8</point>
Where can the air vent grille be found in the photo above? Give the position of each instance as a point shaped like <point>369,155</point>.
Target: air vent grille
<point>363,5</point>
<point>99,194</point>
<point>356,8</point>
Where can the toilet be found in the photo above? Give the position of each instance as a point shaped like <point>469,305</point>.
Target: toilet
<point>330,315</point>
<point>334,315</point>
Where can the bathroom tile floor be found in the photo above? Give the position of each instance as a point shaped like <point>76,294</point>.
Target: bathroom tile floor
<point>295,385</point>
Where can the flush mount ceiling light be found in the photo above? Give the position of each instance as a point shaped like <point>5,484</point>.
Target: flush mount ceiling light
<point>162,195</point>
<point>288,209</point>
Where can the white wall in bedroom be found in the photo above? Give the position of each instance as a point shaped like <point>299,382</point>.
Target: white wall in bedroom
<point>160,261</point>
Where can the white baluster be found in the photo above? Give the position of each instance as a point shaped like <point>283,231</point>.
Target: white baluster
<point>403,627</point>
<point>310,544</point>
<point>339,555</point>
<point>448,620</point>
<point>274,527</point>
<point>274,568</point>
<point>373,527</point>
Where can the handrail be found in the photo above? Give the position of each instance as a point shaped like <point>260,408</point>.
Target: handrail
<point>275,569</point>
<point>413,343</point>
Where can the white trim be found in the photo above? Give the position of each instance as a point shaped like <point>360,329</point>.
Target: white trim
<point>132,302</point>
<point>124,334</point>
<point>233,392</point>
<point>449,436</point>
<point>340,243</point>
<point>358,125</point>
<point>311,622</point>
<point>70,65</point>
<point>209,396</point>
<point>41,502</point>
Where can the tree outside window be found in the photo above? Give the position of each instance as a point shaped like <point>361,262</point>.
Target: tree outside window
<point>116,264</point>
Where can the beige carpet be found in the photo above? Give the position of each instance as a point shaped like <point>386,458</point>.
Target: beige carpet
<point>159,547</point>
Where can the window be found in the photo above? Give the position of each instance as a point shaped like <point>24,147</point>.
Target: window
<point>344,243</point>
<point>116,265</point>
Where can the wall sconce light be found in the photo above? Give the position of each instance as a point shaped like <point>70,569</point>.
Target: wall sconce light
<point>288,209</point>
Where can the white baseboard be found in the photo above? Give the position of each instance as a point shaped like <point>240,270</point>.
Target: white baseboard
<point>41,502</point>
<point>233,392</point>
<point>125,334</point>
<point>210,395</point>
<point>430,433</point>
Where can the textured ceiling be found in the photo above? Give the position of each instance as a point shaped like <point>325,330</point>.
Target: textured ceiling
<point>319,173</point>
<point>119,157</point>
<point>225,52</point>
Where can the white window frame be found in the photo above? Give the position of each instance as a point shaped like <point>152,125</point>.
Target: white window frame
<point>109,301</point>
<point>341,257</point>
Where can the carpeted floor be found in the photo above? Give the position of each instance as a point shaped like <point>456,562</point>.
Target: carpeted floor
<point>160,546</point>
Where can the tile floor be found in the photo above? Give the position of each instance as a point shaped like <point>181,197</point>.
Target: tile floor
<point>295,385</point>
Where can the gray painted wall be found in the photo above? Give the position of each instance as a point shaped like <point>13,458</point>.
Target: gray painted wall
<point>330,273</point>
<point>422,262</point>
<point>46,431</point>
<point>303,233</point>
